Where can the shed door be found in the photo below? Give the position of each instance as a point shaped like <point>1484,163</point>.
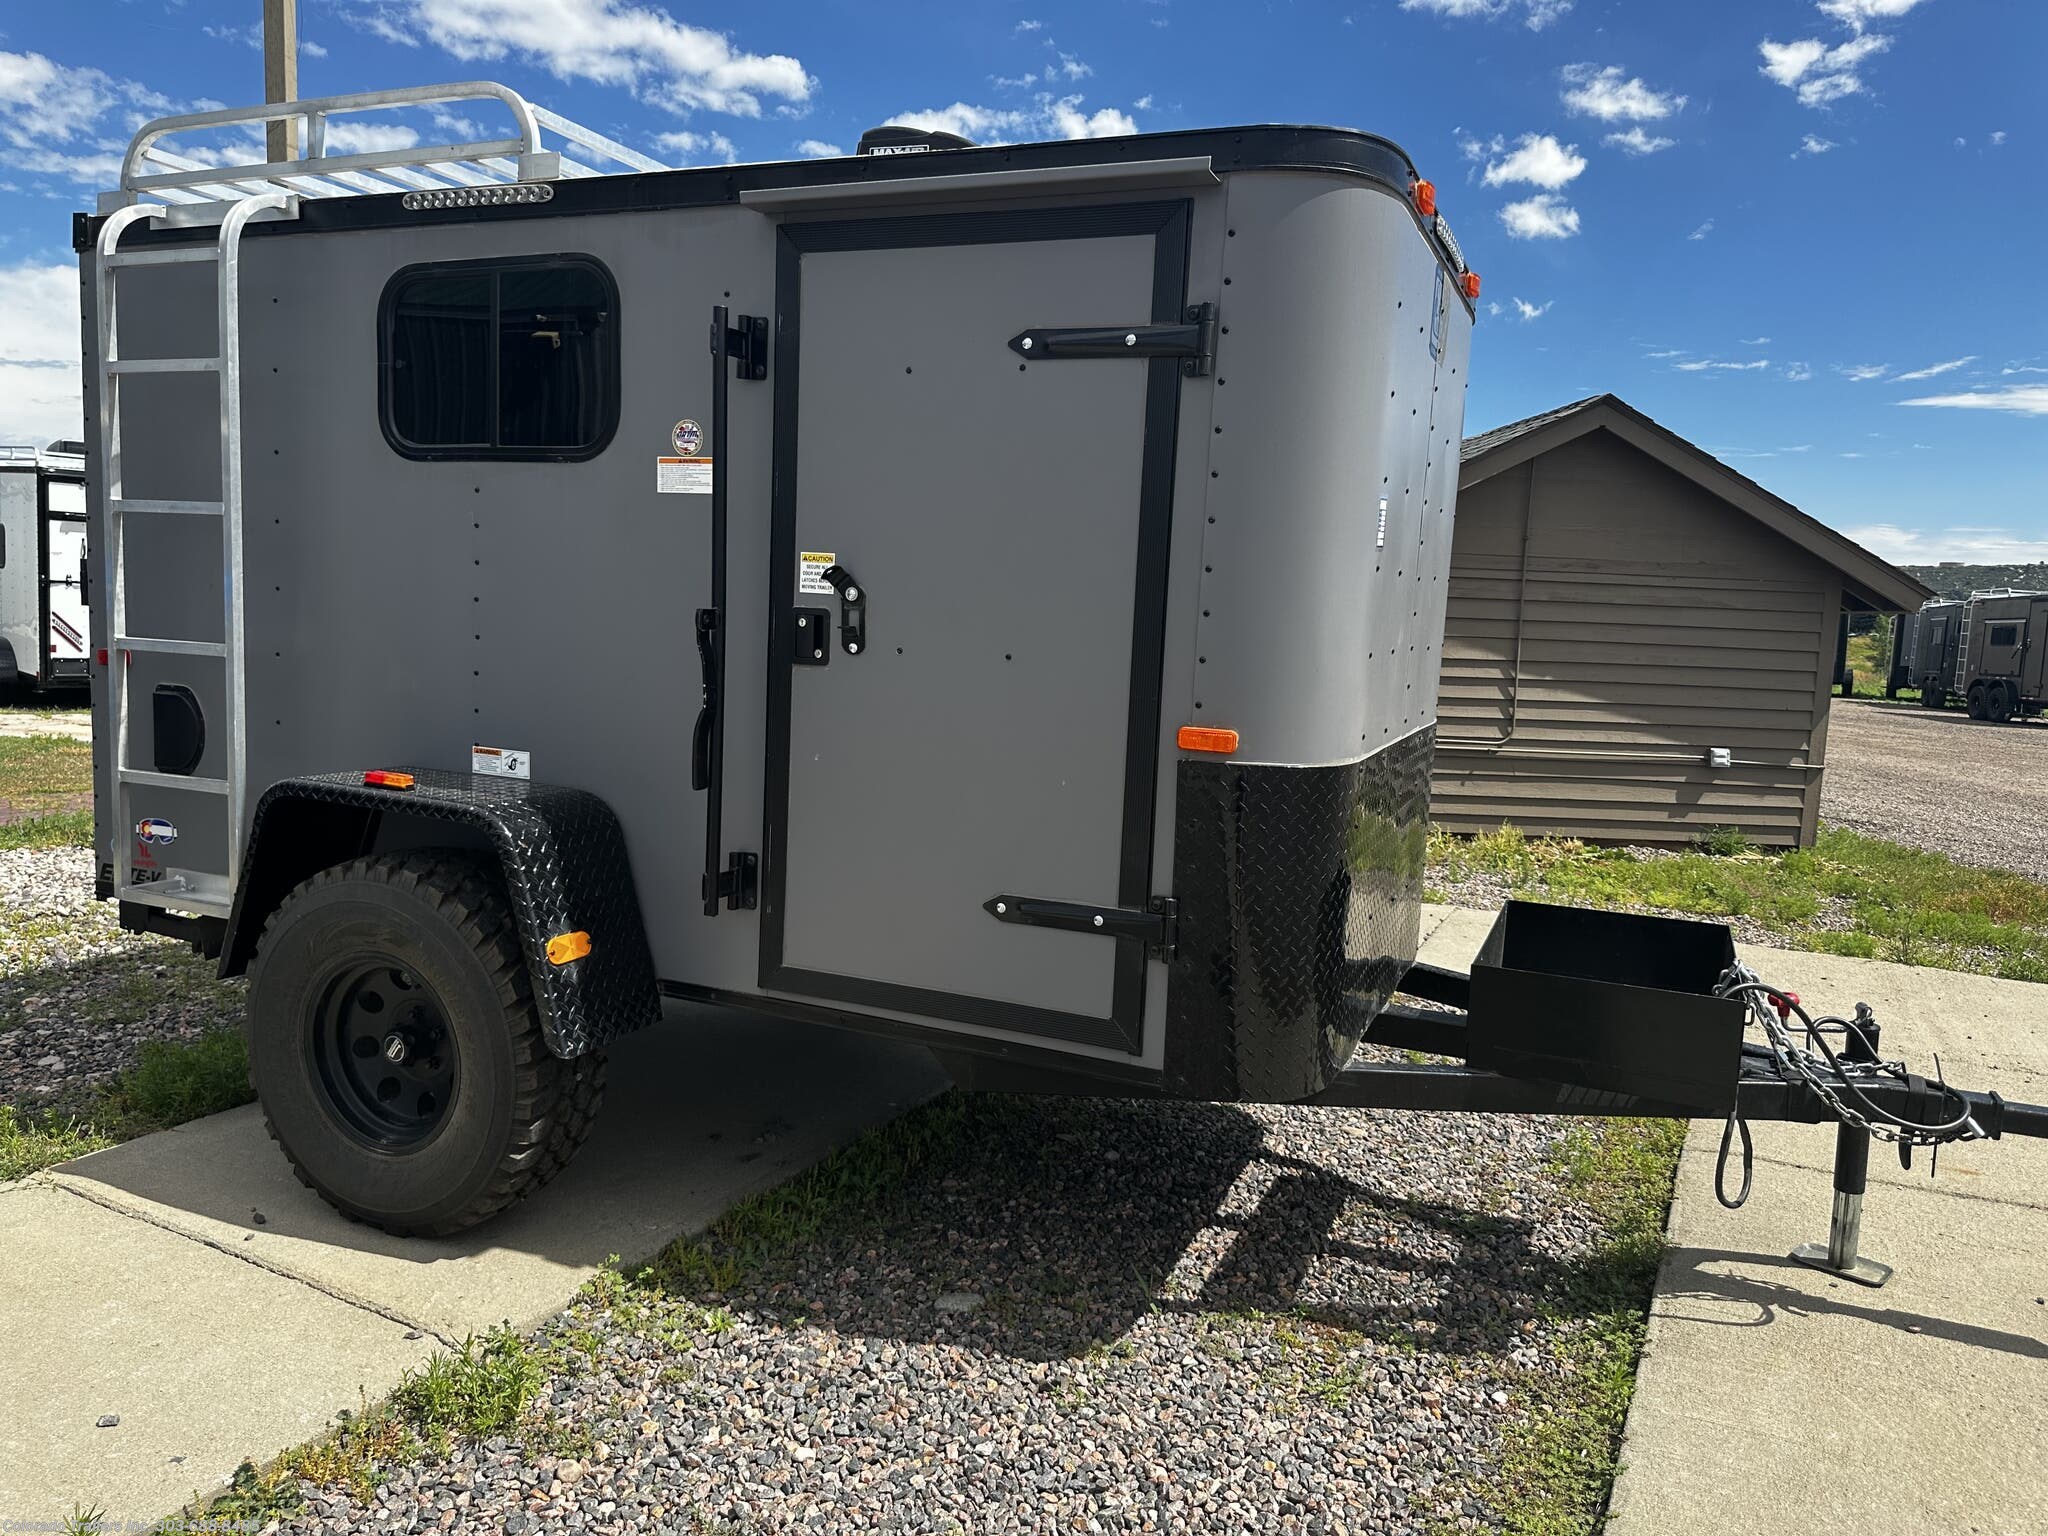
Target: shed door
<point>968,600</point>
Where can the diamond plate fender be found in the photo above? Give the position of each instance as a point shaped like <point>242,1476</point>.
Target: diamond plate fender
<point>1300,906</point>
<point>564,860</point>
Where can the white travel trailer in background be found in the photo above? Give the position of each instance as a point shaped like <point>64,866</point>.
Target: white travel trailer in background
<point>43,624</point>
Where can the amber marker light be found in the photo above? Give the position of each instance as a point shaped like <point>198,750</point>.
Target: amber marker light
<point>1471,284</point>
<point>385,778</point>
<point>564,947</point>
<point>1425,199</point>
<point>1206,738</point>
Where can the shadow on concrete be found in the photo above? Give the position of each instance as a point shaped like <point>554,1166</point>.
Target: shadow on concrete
<point>701,1111</point>
<point>1068,1220</point>
<point>1687,1278</point>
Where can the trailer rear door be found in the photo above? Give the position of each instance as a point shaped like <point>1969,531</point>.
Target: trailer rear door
<point>998,528</point>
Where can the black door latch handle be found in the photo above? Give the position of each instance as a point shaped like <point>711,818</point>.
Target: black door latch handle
<point>853,608</point>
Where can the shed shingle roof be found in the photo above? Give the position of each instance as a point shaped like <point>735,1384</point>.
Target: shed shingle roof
<point>1878,583</point>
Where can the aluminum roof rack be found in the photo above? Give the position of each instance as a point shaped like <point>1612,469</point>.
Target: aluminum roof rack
<point>196,191</point>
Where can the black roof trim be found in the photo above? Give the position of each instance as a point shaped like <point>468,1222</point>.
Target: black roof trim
<point>1342,151</point>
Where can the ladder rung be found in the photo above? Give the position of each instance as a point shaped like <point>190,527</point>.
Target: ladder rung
<point>153,780</point>
<point>170,647</point>
<point>181,897</point>
<point>182,254</point>
<point>164,365</point>
<point>143,504</point>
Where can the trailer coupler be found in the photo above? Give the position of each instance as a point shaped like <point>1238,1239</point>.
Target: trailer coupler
<point>1575,1012</point>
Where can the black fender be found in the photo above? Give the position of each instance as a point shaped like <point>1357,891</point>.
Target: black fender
<point>562,853</point>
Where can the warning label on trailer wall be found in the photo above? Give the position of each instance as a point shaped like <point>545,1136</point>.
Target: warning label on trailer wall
<point>683,477</point>
<point>503,762</point>
<point>811,566</point>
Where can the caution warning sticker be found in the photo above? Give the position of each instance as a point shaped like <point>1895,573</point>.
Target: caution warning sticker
<point>811,566</point>
<point>683,477</point>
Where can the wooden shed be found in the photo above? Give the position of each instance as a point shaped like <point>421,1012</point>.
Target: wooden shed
<point>1640,642</point>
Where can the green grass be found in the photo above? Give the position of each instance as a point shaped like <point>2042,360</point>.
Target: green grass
<point>1561,1450</point>
<point>1904,905</point>
<point>44,773</point>
<point>484,1388</point>
<point>59,829</point>
<point>174,1081</point>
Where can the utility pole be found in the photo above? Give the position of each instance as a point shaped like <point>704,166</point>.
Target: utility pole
<point>281,71</point>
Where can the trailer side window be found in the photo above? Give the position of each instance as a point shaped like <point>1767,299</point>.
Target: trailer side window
<point>510,359</point>
<point>2005,634</point>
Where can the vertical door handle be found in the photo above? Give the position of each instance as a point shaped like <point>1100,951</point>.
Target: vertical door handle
<point>853,608</point>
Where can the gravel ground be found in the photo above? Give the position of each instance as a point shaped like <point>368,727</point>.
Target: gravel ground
<point>1077,1316</point>
<point>1938,780</point>
<point>78,997</point>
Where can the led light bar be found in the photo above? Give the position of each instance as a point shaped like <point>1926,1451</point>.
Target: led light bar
<point>480,197</point>
<point>1443,233</point>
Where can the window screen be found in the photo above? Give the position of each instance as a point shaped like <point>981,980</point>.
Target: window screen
<point>2005,634</point>
<point>516,359</point>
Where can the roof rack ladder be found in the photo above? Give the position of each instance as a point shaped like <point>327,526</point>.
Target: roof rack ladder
<point>185,890</point>
<point>1962,678</point>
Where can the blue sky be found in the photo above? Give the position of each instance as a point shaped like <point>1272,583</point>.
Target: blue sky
<point>1806,234</point>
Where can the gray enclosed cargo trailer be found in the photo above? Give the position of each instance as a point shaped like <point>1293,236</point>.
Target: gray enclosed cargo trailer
<point>1924,650</point>
<point>1029,605</point>
<point>1017,629</point>
<point>2001,658</point>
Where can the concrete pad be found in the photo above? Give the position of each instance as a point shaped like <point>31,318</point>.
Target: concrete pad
<point>204,1358</point>
<point>267,1311</point>
<point>1774,1398</point>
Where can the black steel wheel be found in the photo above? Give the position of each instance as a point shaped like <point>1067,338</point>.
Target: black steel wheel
<point>395,1045</point>
<point>1998,702</point>
<point>1976,701</point>
<point>384,1052</point>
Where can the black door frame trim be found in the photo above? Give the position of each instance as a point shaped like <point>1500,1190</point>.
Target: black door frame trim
<point>1168,223</point>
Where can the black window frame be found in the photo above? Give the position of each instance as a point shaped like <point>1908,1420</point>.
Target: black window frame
<point>2003,633</point>
<point>608,402</point>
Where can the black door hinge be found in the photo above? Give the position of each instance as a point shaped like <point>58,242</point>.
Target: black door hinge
<point>1154,927</point>
<point>738,885</point>
<point>746,342</point>
<point>1193,341</point>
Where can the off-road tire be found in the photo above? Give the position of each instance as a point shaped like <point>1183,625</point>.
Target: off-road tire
<point>1932,697</point>
<point>517,1112</point>
<point>1998,703</point>
<point>1975,699</point>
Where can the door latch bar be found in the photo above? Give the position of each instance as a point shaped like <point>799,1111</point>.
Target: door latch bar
<point>1154,927</point>
<point>853,608</point>
<point>1193,340</point>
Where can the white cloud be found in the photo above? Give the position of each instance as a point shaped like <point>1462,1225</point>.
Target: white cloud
<point>1540,161</point>
<point>1798,373</point>
<point>818,149</point>
<point>1072,67</point>
<point>249,37</point>
<point>311,50</point>
<point>1536,14</point>
<point>2011,368</point>
<point>698,148</point>
<point>1812,145</point>
<point>1859,13</point>
<point>1710,365</point>
<point>1862,373</point>
<point>1756,341</point>
<point>1494,309</point>
<point>1029,26</point>
<point>1530,311</point>
<point>1474,148</point>
<point>68,123</point>
<point>1545,216</point>
<point>1998,137</point>
<point>1703,231</point>
<point>610,42</point>
<point>1050,117</point>
<point>1637,142</point>
<point>2018,399</point>
<point>1142,104</point>
<point>1971,546</point>
<point>39,353</point>
<point>359,138</point>
<point>1614,96</point>
<point>1818,73</point>
<point>1934,370</point>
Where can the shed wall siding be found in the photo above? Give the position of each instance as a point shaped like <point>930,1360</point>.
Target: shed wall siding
<point>1609,621</point>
